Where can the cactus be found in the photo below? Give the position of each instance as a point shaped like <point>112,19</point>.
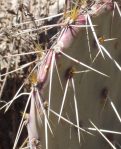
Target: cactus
<point>73,100</point>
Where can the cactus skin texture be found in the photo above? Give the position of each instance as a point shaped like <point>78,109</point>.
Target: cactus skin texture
<point>88,87</point>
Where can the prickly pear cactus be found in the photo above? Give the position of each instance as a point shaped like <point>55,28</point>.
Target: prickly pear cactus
<point>74,100</point>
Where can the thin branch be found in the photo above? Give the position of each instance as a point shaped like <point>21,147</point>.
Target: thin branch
<point>22,54</point>
<point>69,122</point>
<point>51,75</point>
<point>44,112</point>
<point>76,108</point>
<point>58,75</point>
<point>116,63</point>
<point>94,34</point>
<point>21,123</point>
<point>115,110</point>
<point>71,58</point>
<point>105,131</point>
<point>63,100</point>
<point>103,135</point>
<point>119,11</point>
<point>87,34</point>
<point>24,66</point>
<point>46,134</point>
